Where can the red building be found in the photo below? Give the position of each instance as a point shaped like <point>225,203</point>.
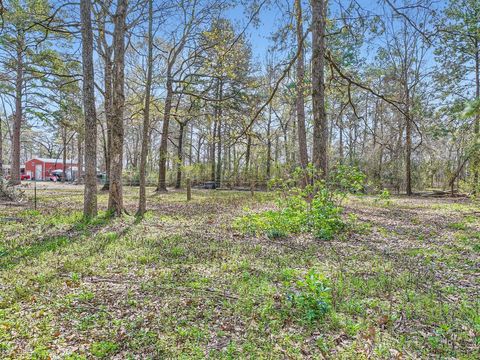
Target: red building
<point>42,168</point>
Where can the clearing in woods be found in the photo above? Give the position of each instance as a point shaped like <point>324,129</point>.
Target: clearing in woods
<point>185,283</point>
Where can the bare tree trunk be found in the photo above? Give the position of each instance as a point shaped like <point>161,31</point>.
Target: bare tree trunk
<point>115,199</point>
<point>79,178</point>
<point>476,130</point>
<point>218,178</point>
<point>277,150</point>
<point>293,141</point>
<point>218,174</point>
<point>108,78</point>
<point>18,118</point>
<point>236,163</point>
<point>340,131</point>
<point>181,132</point>
<point>227,157</point>
<point>408,142</point>
<point>285,144</point>
<point>199,149</point>
<point>1,151</point>
<point>300,99</point>
<point>190,147</point>
<point>105,151</point>
<point>64,154</point>
<point>320,124</point>
<point>351,145</point>
<point>269,143</point>
<point>247,157</point>
<point>142,201</point>
<point>377,147</point>
<point>213,148</point>
<point>162,164</point>
<point>90,190</point>
<point>108,91</point>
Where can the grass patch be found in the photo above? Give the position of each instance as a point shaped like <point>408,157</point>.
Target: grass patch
<point>183,284</point>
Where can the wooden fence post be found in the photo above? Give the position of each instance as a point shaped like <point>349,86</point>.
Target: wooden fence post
<point>189,190</point>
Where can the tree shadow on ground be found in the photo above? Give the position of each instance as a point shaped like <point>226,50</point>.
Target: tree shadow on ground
<point>40,245</point>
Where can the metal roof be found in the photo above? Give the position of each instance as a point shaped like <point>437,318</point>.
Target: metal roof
<point>58,161</point>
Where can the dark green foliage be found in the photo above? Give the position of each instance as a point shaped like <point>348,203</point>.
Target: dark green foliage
<point>311,298</point>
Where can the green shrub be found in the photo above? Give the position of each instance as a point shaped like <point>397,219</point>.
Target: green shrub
<point>313,208</point>
<point>384,195</point>
<point>311,298</point>
<point>103,349</point>
<point>384,198</point>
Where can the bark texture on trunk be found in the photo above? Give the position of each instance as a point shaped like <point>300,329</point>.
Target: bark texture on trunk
<point>162,165</point>
<point>408,146</point>
<point>340,132</point>
<point>269,143</point>
<point>1,151</point>
<point>172,58</point>
<point>90,190</point>
<point>181,131</point>
<point>146,116</point>
<point>106,52</point>
<point>247,157</point>
<point>300,99</point>
<point>115,199</point>
<point>213,149</point>
<point>476,130</point>
<point>18,118</point>
<point>108,79</point>
<point>218,177</point>
<point>320,124</point>
<point>64,153</point>
<point>79,178</point>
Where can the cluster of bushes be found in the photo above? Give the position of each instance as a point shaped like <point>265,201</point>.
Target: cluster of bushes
<point>307,203</point>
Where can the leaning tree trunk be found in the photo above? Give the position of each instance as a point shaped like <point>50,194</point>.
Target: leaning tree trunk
<point>146,116</point>
<point>115,199</point>
<point>300,99</point>
<point>90,190</point>
<point>320,125</point>
<point>456,174</point>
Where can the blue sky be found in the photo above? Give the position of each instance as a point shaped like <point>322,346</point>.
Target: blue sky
<point>257,35</point>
